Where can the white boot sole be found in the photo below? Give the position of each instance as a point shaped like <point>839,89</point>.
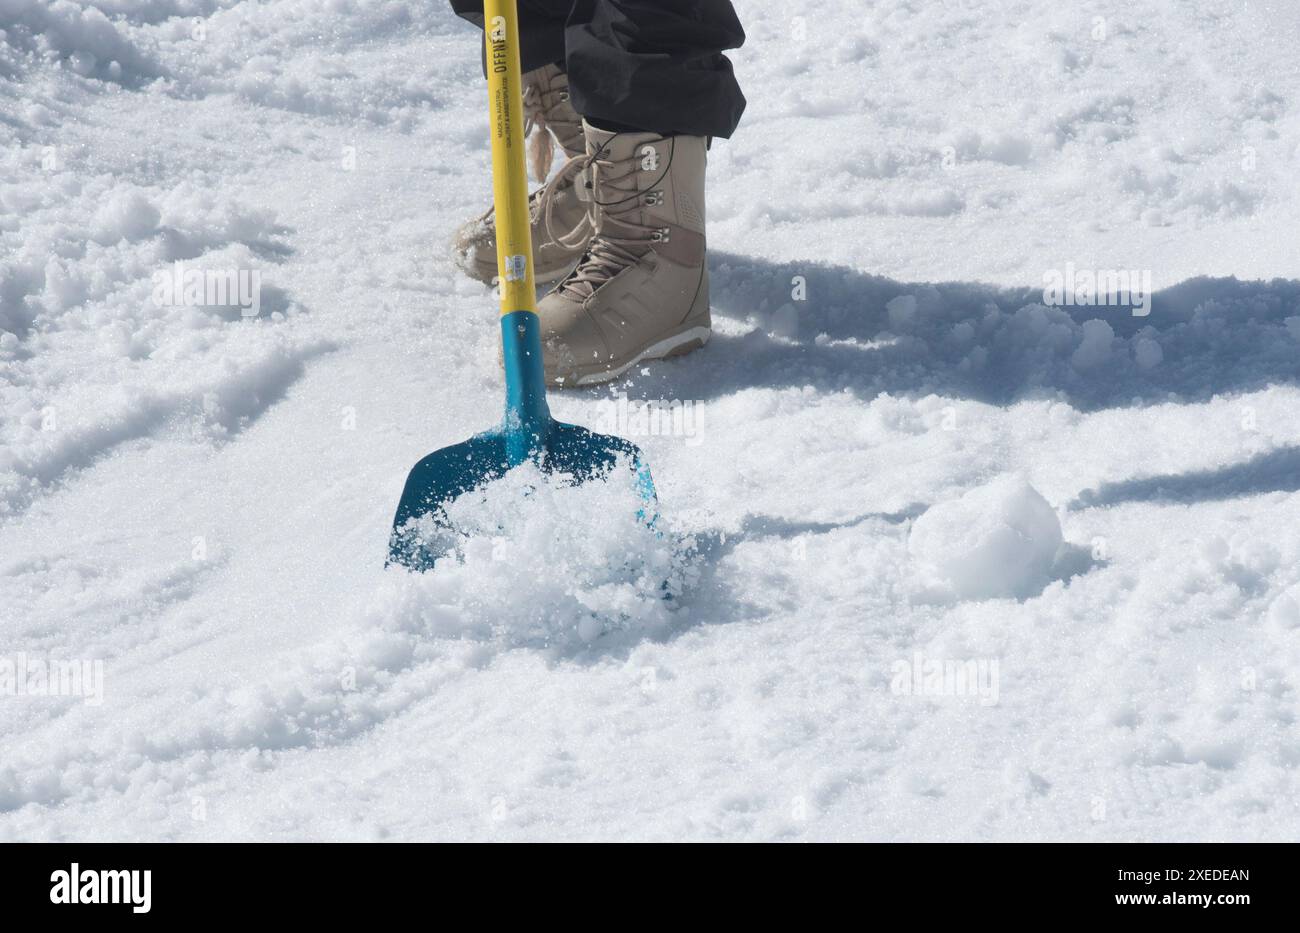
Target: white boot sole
<point>656,351</point>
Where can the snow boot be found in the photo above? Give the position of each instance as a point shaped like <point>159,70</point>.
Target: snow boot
<point>559,220</point>
<point>641,290</point>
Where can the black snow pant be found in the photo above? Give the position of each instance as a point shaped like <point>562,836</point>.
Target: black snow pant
<point>650,65</point>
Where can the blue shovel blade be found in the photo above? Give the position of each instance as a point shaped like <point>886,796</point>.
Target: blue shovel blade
<point>451,472</point>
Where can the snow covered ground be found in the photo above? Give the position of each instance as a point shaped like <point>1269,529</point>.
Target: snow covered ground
<point>955,564</point>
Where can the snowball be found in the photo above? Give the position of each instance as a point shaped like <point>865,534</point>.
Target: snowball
<point>996,540</point>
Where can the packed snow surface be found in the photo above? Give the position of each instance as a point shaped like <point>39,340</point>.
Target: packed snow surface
<point>940,554</point>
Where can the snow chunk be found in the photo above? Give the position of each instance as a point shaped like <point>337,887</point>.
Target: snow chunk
<point>997,540</point>
<point>126,215</point>
<point>77,33</point>
<point>1007,148</point>
<point>1094,349</point>
<point>1147,352</point>
<point>1284,610</point>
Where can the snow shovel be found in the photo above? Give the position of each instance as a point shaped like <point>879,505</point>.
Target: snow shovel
<point>527,433</point>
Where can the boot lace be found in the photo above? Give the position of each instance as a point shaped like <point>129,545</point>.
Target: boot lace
<point>541,200</point>
<point>608,253</point>
<point>541,95</point>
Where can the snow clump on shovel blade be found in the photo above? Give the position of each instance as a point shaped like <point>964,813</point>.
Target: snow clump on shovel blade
<point>533,559</point>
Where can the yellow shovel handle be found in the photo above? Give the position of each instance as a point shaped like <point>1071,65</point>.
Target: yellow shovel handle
<point>509,179</point>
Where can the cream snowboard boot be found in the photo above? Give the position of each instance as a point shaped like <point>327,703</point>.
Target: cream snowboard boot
<point>641,289</point>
